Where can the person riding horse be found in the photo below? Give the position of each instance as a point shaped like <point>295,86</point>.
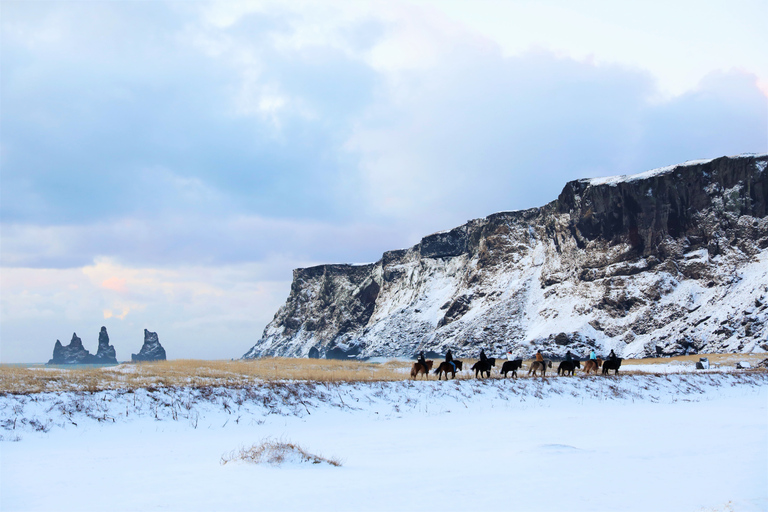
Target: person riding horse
<point>539,357</point>
<point>483,357</point>
<point>422,360</point>
<point>449,359</point>
<point>612,356</point>
<point>568,356</point>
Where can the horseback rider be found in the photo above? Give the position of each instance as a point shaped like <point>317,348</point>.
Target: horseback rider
<point>449,359</point>
<point>612,356</point>
<point>422,361</point>
<point>592,355</point>
<point>483,357</point>
<point>569,356</point>
<point>539,357</point>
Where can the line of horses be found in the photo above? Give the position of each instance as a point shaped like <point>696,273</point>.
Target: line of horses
<point>483,368</point>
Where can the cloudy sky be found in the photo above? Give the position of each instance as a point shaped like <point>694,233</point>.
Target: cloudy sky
<point>165,165</point>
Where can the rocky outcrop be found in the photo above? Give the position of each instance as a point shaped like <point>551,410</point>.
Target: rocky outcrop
<point>670,261</point>
<point>151,350</point>
<point>75,353</point>
<point>106,352</point>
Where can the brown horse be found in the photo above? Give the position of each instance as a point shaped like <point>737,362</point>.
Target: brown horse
<point>540,366</point>
<point>446,368</point>
<point>592,365</point>
<point>419,368</point>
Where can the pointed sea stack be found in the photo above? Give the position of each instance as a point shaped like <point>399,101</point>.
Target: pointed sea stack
<point>74,353</point>
<point>151,350</point>
<point>106,353</point>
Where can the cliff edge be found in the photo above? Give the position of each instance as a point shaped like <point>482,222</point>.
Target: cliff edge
<point>670,261</point>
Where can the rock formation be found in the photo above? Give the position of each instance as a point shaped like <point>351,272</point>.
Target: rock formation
<point>670,261</point>
<point>105,352</point>
<point>75,353</point>
<point>151,350</point>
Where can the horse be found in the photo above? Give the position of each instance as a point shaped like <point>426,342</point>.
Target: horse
<point>612,364</point>
<point>568,367</point>
<point>592,365</point>
<point>484,366</point>
<point>511,366</point>
<point>540,365</point>
<point>418,368</point>
<point>446,367</point>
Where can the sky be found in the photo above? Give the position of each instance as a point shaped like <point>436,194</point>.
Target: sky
<point>165,165</point>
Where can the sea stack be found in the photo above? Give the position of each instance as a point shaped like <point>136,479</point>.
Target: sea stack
<point>106,352</point>
<point>74,353</point>
<point>151,350</point>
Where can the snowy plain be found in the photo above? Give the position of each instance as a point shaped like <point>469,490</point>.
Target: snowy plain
<point>634,442</point>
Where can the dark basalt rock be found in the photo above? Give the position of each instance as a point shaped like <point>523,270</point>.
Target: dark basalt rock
<point>447,244</point>
<point>74,353</point>
<point>151,350</point>
<point>106,352</point>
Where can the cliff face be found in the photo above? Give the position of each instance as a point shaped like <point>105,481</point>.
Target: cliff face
<point>670,261</point>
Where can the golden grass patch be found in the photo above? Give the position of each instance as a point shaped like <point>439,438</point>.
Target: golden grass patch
<point>202,373</point>
<point>193,373</point>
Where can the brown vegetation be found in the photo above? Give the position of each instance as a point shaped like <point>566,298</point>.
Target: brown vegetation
<point>200,373</point>
<point>276,453</point>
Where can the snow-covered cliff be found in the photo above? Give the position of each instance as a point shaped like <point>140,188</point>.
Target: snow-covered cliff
<point>669,261</point>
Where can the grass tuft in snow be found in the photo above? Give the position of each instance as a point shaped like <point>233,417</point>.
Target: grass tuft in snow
<point>276,453</point>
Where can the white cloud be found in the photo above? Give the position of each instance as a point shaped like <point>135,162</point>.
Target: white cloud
<point>166,165</point>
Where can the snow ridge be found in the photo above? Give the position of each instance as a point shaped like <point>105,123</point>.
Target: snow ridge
<point>203,407</point>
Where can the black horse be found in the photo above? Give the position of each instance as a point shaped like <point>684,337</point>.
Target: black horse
<point>612,364</point>
<point>484,366</point>
<point>511,366</point>
<point>568,367</point>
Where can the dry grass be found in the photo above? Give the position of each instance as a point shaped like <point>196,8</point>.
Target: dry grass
<point>714,359</point>
<point>276,453</point>
<point>199,373</point>
<point>192,373</point>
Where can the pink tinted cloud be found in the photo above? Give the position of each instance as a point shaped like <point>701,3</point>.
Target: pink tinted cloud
<point>116,284</point>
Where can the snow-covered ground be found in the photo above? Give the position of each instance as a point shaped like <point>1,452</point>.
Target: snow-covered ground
<point>637,442</point>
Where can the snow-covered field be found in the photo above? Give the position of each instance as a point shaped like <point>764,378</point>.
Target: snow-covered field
<point>637,442</point>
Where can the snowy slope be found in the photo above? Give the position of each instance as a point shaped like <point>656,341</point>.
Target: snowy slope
<point>671,261</point>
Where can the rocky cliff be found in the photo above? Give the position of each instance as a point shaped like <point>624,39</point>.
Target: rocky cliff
<point>670,261</point>
<point>151,350</point>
